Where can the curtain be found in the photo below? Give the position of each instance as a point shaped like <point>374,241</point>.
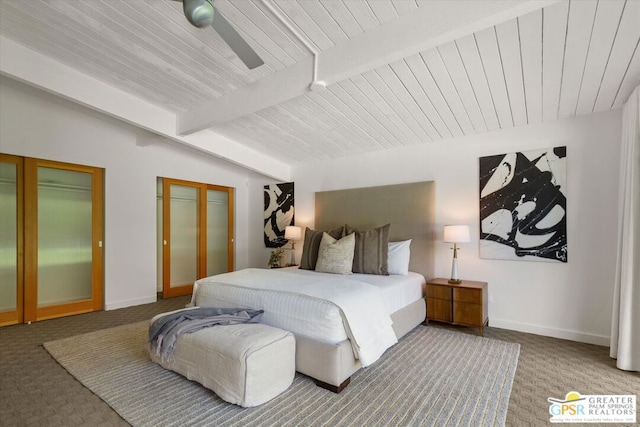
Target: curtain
<point>625,327</point>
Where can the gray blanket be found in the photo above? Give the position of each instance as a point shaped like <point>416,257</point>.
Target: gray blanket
<point>165,331</point>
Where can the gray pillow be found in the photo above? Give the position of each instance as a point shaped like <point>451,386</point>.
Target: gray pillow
<point>371,251</point>
<point>336,256</point>
<point>311,245</point>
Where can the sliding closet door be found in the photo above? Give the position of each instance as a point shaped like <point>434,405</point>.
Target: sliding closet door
<point>197,230</point>
<point>63,239</point>
<point>11,240</point>
<point>181,218</point>
<point>219,226</point>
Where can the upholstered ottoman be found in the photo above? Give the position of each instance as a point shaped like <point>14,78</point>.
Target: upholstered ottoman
<point>245,364</point>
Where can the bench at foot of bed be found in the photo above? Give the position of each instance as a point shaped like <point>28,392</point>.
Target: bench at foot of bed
<point>246,364</point>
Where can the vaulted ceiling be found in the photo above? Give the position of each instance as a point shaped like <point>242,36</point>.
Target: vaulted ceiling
<point>388,73</point>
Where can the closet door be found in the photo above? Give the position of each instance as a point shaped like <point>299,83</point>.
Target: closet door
<point>219,226</point>
<point>181,215</point>
<point>63,239</point>
<point>11,240</point>
<point>197,233</point>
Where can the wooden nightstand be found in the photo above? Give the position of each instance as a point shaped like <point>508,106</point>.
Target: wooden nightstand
<point>461,304</point>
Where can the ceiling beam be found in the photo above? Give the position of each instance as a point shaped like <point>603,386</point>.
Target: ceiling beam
<point>35,69</point>
<point>434,23</point>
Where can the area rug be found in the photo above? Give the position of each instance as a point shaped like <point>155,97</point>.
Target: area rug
<point>431,377</point>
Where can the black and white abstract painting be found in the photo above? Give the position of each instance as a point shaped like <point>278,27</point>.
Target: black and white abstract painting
<point>523,205</point>
<point>278,213</point>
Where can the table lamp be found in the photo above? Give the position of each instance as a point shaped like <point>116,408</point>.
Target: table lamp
<point>293,233</point>
<point>455,234</point>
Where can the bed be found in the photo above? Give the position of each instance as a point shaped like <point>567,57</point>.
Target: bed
<point>377,309</point>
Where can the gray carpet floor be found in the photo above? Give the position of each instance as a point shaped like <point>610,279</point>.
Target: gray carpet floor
<point>416,383</point>
<point>36,391</point>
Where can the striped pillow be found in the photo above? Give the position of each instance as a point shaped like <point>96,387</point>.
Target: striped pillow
<point>372,250</point>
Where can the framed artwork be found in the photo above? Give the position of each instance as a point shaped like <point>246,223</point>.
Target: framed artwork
<point>523,205</point>
<point>278,213</point>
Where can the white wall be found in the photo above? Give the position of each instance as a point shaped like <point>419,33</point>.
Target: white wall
<point>571,300</point>
<point>35,124</point>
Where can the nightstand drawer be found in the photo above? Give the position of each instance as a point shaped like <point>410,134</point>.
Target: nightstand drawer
<point>468,295</point>
<point>464,303</point>
<point>468,314</point>
<point>439,292</point>
<point>438,309</point>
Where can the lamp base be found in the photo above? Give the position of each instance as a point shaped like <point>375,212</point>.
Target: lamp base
<point>454,267</point>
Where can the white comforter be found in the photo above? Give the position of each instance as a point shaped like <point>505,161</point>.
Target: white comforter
<point>323,298</point>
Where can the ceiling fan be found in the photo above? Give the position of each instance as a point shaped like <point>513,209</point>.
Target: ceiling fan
<point>202,13</point>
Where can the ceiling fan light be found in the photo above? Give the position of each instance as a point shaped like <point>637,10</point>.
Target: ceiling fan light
<point>198,12</point>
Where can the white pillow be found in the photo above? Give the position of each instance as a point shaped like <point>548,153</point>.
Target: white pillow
<point>398,260</point>
<point>336,256</point>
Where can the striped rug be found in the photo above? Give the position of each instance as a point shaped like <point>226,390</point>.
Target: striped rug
<point>431,377</point>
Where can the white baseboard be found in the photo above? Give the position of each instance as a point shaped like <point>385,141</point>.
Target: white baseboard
<point>551,332</point>
<point>130,302</point>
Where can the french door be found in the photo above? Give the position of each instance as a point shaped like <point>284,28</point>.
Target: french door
<point>197,233</point>
<point>51,255</point>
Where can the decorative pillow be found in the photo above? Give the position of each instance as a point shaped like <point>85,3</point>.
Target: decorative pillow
<point>399,255</point>
<point>311,245</point>
<point>371,252</point>
<point>336,256</point>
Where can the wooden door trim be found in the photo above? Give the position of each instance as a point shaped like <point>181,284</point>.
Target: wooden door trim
<point>201,256</point>
<point>31,310</point>
<point>230,223</point>
<point>231,228</point>
<point>66,309</point>
<point>17,315</point>
<point>186,289</point>
<point>231,202</point>
<point>97,235</point>
<point>201,270</point>
<point>30,240</point>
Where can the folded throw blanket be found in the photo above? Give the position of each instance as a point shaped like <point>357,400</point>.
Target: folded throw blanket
<point>165,331</point>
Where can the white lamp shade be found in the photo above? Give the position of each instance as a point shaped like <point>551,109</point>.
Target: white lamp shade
<point>456,233</point>
<point>292,232</point>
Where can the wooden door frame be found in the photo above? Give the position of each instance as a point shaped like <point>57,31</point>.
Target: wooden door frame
<point>17,315</point>
<point>231,223</point>
<point>201,261</point>
<point>31,310</point>
<point>186,289</point>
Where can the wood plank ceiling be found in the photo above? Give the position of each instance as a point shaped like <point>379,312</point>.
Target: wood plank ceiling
<point>569,58</point>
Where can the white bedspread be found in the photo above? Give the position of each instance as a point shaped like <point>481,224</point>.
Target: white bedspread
<point>325,300</point>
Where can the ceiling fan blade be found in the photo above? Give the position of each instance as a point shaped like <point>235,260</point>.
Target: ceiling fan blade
<point>236,42</point>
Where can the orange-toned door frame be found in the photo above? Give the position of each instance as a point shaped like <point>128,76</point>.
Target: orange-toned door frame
<point>17,315</point>
<point>31,310</point>
<point>169,291</point>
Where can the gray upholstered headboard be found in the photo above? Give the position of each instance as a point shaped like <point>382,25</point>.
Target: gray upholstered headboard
<point>409,208</point>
